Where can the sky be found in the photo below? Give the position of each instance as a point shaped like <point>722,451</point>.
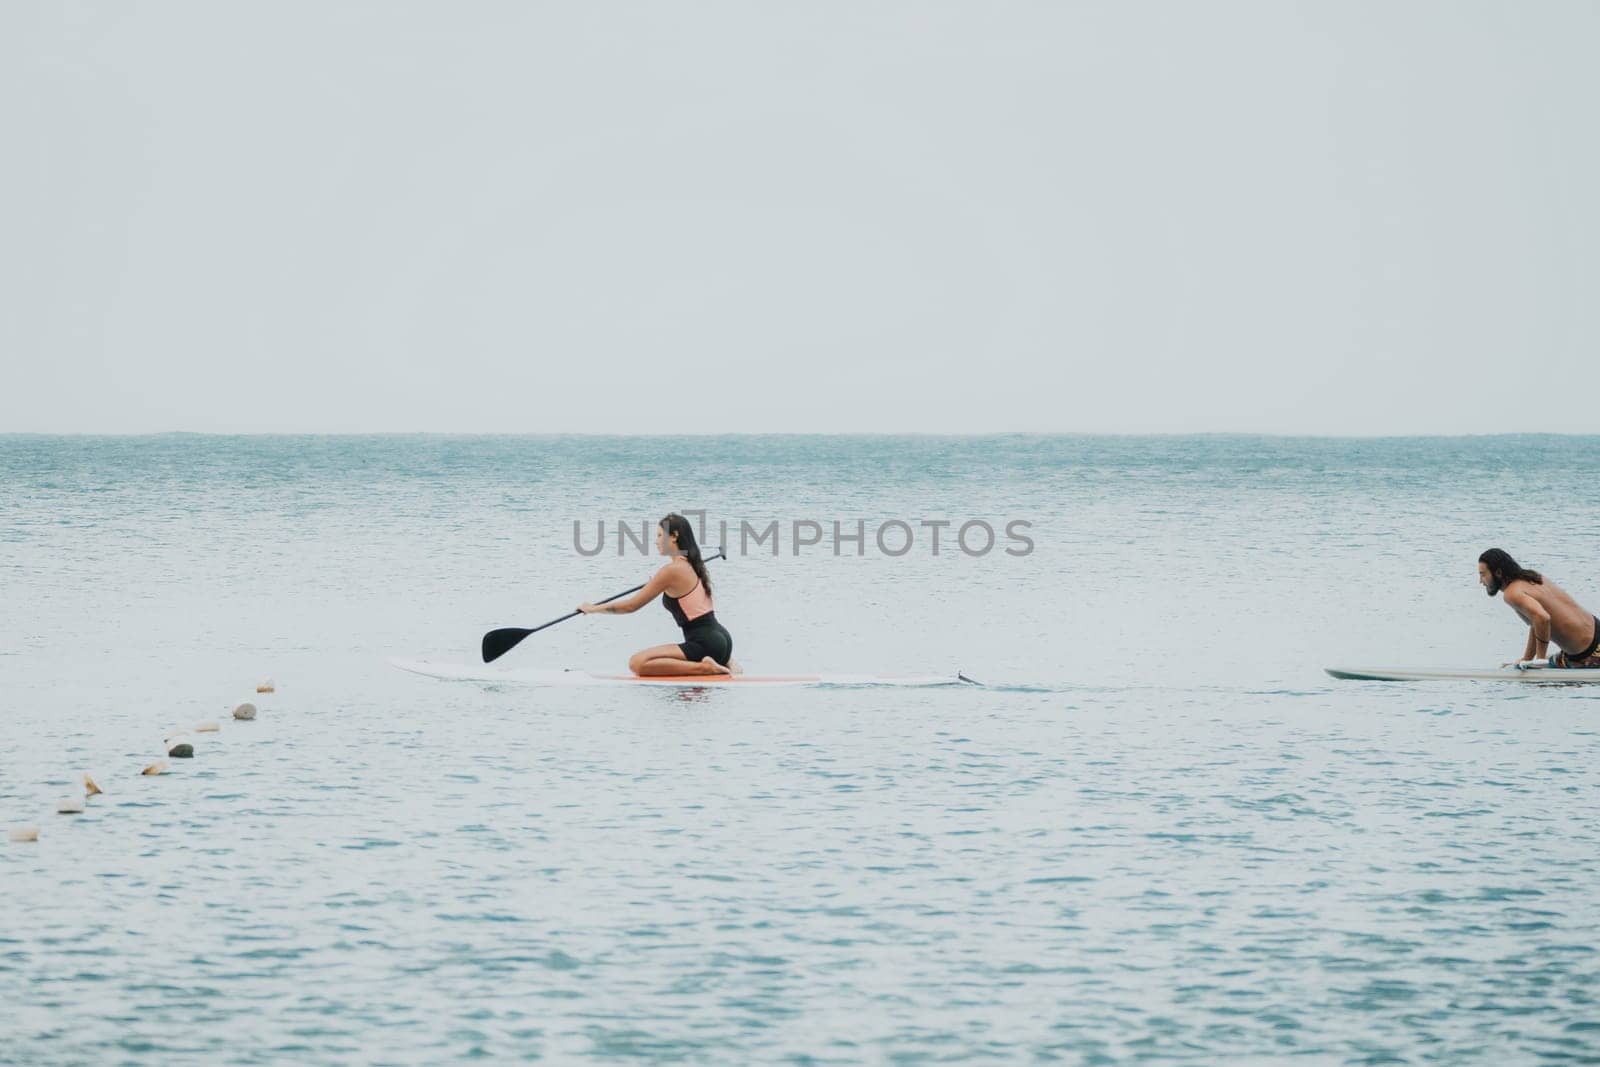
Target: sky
<point>1112,217</point>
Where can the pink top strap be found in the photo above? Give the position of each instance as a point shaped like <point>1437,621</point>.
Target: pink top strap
<point>696,602</point>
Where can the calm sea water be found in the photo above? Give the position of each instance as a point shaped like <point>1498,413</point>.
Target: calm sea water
<point>1162,835</point>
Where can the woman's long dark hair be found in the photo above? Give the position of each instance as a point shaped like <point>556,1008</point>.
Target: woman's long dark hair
<point>1504,570</point>
<point>677,526</point>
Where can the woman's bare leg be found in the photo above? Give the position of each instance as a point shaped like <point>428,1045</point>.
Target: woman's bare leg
<point>637,661</point>
<point>667,660</point>
<point>670,667</point>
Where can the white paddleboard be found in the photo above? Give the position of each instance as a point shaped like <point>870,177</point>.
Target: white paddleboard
<point>466,672</point>
<point>1525,675</point>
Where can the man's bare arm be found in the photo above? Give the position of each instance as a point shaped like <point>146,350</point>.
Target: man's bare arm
<point>1538,624</point>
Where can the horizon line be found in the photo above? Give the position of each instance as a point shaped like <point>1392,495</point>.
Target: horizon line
<point>804,433</point>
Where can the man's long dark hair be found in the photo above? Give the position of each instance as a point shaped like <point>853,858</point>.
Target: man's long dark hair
<point>677,526</point>
<point>1504,570</point>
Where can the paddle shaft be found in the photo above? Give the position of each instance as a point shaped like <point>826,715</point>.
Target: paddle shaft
<point>570,614</point>
<point>497,643</point>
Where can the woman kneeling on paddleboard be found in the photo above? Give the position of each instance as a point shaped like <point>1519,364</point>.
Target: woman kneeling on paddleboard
<point>706,647</point>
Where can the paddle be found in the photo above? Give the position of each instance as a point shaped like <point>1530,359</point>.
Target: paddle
<point>497,643</point>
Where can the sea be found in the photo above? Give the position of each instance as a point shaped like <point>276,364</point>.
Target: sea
<point>1159,832</point>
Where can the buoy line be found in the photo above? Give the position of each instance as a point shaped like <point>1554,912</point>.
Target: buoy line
<point>176,745</point>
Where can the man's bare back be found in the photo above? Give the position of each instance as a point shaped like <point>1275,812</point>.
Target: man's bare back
<point>1551,613</point>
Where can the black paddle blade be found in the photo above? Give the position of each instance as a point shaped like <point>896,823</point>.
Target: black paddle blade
<point>497,643</point>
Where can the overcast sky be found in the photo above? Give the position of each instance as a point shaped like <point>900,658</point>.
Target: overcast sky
<point>518,217</point>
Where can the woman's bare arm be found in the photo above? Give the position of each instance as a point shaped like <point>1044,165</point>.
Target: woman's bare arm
<point>628,605</point>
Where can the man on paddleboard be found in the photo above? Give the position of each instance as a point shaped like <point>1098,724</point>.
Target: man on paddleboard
<point>1549,611</point>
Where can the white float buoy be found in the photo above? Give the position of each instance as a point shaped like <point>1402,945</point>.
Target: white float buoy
<point>69,806</point>
<point>89,787</point>
<point>244,712</point>
<point>20,834</point>
<point>157,767</point>
<point>207,728</point>
<point>267,686</point>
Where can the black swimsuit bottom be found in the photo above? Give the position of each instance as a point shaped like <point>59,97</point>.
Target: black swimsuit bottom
<point>702,636</point>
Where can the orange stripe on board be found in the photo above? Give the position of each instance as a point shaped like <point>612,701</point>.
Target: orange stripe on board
<point>711,679</point>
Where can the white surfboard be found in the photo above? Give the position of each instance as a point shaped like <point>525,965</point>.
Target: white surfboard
<point>1532,675</point>
<point>467,672</point>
